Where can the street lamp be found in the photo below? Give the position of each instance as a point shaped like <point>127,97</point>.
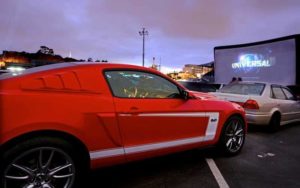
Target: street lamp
<point>143,33</point>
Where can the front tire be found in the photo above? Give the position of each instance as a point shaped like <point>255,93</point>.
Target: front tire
<point>44,162</point>
<point>233,136</point>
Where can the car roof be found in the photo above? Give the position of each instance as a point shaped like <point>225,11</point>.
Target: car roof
<point>253,82</point>
<point>266,83</point>
<point>69,65</point>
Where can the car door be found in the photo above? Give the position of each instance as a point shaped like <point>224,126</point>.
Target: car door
<point>282,103</point>
<point>152,114</point>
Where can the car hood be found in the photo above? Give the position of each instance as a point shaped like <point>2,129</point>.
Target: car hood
<point>201,95</point>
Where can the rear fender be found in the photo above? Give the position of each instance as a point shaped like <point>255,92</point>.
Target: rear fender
<point>42,126</point>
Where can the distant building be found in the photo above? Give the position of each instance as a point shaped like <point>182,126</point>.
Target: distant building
<point>27,60</point>
<point>2,63</point>
<point>203,72</point>
<point>198,70</point>
<point>181,76</point>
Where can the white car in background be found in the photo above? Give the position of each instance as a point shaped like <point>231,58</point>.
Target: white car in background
<point>265,104</point>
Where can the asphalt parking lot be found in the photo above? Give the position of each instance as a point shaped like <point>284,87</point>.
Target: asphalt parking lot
<point>267,160</point>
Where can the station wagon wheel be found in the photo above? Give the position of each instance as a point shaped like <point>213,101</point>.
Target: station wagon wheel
<point>48,163</point>
<point>233,136</point>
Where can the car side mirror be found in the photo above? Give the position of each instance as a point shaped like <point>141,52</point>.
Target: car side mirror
<point>185,94</point>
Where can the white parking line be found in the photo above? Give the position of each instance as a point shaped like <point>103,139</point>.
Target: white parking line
<point>217,174</point>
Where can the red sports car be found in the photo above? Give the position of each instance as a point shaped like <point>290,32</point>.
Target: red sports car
<point>57,121</point>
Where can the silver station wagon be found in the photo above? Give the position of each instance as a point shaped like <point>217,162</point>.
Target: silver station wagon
<point>265,104</point>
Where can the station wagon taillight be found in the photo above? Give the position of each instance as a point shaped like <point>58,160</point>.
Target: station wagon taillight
<point>251,104</point>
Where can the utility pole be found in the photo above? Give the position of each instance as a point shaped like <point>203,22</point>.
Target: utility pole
<point>159,63</point>
<point>143,33</point>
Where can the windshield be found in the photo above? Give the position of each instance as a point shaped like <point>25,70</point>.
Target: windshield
<point>244,88</point>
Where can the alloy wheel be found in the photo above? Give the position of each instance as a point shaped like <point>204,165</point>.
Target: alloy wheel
<point>234,135</point>
<point>42,167</point>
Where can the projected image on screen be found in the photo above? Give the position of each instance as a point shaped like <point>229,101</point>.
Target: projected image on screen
<point>272,62</point>
<point>252,63</point>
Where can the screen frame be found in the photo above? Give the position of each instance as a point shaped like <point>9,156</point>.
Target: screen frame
<point>296,37</point>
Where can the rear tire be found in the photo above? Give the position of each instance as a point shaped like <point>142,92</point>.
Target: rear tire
<point>233,136</point>
<point>274,123</point>
<point>43,162</point>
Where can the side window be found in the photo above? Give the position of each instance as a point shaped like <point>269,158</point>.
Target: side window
<point>134,84</point>
<point>278,93</point>
<point>288,94</point>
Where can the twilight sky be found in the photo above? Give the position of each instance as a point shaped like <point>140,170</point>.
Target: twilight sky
<point>180,31</point>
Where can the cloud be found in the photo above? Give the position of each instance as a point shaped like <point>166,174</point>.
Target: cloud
<point>33,23</point>
<point>174,18</point>
<point>180,31</point>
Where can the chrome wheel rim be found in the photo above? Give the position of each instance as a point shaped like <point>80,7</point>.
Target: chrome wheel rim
<point>43,167</point>
<point>234,135</point>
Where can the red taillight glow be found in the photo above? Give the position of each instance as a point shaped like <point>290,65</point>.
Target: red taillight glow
<point>251,104</point>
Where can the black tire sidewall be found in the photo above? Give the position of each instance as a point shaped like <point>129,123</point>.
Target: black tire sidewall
<point>222,143</point>
<point>12,153</point>
<point>274,124</point>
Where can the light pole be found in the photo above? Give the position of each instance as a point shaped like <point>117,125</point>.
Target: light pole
<point>143,33</point>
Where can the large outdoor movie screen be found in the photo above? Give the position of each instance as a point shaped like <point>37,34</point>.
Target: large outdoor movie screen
<point>271,62</point>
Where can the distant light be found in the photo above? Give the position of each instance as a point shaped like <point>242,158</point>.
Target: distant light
<point>16,69</point>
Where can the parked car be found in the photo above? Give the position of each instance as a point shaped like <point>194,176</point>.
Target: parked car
<point>295,89</point>
<point>264,103</point>
<point>3,71</point>
<point>58,121</point>
<point>200,86</point>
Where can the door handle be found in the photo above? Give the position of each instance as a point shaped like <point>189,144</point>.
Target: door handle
<point>131,111</point>
<point>133,108</point>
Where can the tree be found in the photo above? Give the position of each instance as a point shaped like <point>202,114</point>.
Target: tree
<point>46,50</point>
<point>51,52</point>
